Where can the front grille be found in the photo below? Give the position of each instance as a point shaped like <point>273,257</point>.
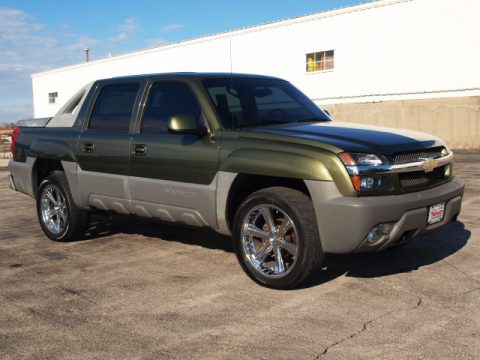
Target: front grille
<point>421,179</point>
<point>408,157</point>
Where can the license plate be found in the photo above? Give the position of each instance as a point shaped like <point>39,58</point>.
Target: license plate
<point>436,213</point>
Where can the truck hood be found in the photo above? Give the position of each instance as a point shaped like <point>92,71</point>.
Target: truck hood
<point>356,137</point>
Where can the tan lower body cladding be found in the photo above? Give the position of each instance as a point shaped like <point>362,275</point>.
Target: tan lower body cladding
<point>454,120</point>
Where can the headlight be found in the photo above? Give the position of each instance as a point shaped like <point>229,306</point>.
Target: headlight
<point>356,159</point>
<point>445,151</point>
<point>367,183</point>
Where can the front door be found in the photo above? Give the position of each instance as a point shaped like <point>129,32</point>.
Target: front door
<point>173,176</point>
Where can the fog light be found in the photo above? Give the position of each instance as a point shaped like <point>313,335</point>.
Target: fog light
<point>368,182</point>
<point>379,231</point>
<point>372,183</point>
<point>448,171</point>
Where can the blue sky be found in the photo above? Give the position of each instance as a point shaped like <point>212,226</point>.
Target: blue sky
<point>39,35</point>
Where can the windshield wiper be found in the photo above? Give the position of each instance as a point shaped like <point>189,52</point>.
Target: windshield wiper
<point>263,122</point>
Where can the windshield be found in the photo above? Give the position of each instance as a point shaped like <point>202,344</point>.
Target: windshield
<point>243,102</point>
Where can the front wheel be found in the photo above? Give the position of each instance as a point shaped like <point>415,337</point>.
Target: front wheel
<point>60,218</point>
<point>276,237</point>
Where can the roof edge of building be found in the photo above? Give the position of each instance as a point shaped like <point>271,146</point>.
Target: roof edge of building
<point>369,5</point>
<point>394,96</point>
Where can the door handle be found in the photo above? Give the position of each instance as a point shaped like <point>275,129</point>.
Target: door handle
<point>89,148</point>
<point>140,150</point>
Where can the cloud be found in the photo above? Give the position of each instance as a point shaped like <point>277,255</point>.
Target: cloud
<point>28,46</point>
<point>171,27</point>
<point>17,27</point>
<point>25,48</point>
<point>119,37</point>
<point>82,42</point>
<point>130,25</point>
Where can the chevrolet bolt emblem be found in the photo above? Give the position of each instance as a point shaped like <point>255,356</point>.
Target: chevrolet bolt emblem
<point>429,164</point>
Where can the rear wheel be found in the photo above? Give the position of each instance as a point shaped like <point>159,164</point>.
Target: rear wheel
<point>60,218</point>
<point>276,237</point>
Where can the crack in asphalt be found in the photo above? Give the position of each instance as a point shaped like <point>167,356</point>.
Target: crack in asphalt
<point>364,328</point>
<point>464,293</point>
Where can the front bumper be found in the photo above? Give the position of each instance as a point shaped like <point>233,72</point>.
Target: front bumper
<point>344,222</point>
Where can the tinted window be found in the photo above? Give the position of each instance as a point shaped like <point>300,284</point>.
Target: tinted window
<point>168,99</point>
<point>274,97</point>
<point>113,108</point>
<point>248,102</point>
<point>227,103</point>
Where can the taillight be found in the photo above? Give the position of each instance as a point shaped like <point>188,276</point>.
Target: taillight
<point>15,134</point>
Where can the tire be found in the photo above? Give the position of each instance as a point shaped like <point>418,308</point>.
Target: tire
<point>59,217</point>
<point>259,249</point>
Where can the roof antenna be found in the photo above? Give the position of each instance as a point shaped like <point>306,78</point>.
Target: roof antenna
<point>231,79</point>
<point>231,61</point>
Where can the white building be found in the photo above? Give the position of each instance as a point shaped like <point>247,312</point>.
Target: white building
<point>405,63</point>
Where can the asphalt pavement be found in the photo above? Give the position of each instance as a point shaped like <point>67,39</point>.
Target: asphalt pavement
<point>135,289</point>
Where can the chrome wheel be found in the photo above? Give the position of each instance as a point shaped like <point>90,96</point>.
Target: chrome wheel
<point>53,208</point>
<point>269,240</point>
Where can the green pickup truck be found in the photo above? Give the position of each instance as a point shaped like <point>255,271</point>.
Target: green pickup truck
<point>246,155</point>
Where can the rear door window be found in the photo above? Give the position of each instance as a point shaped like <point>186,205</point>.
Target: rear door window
<point>113,108</point>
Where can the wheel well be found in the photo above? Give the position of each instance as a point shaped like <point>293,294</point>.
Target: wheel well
<point>245,184</point>
<point>42,168</point>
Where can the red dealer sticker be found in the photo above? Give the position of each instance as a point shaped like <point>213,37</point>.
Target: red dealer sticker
<point>436,213</point>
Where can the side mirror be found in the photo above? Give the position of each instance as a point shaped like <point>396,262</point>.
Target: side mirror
<point>327,112</point>
<point>186,124</point>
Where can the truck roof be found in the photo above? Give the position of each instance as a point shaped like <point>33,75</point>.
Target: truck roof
<point>194,75</point>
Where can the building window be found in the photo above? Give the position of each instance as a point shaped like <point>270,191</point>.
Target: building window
<point>320,61</point>
<point>52,97</point>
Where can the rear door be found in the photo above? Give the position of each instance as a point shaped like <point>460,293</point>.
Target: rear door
<point>173,175</point>
<point>104,146</point>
